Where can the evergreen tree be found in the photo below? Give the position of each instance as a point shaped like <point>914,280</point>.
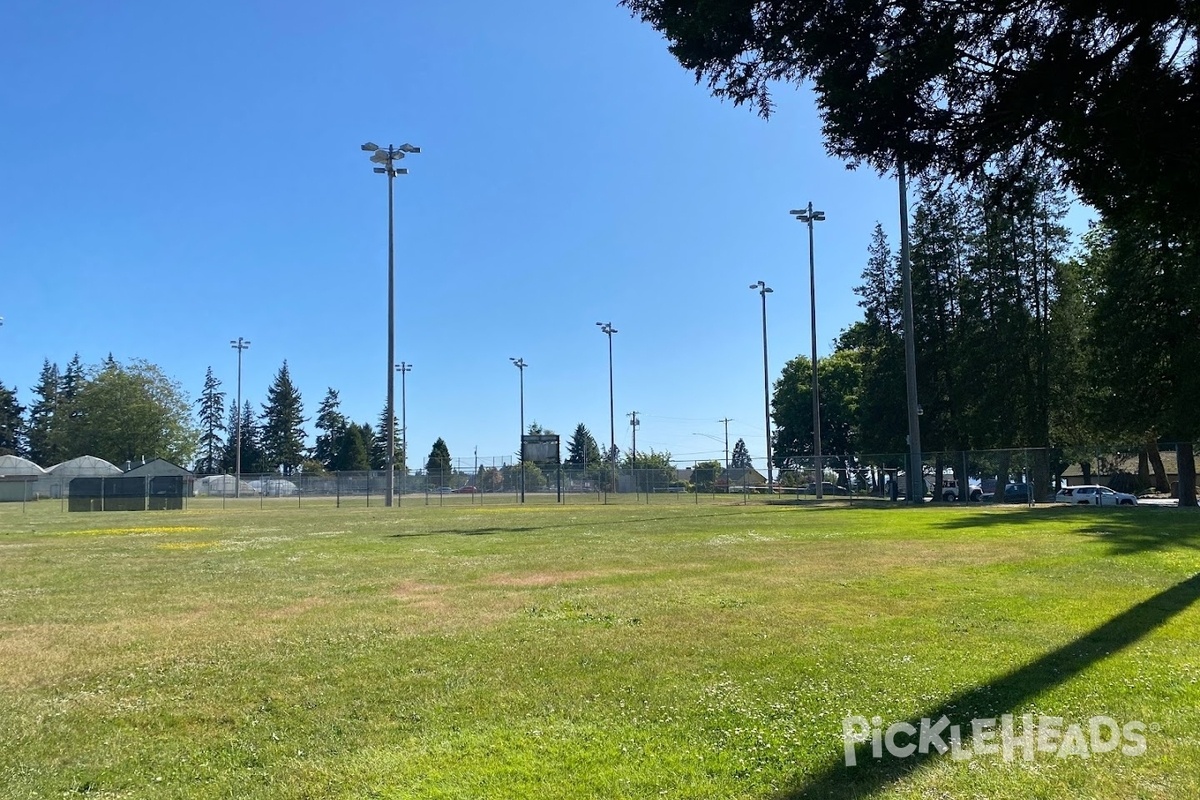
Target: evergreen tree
<point>12,423</point>
<point>211,409</point>
<point>437,466</point>
<point>741,455</point>
<point>43,449</point>
<point>72,380</point>
<point>582,450</point>
<point>352,450</point>
<point>332,425</point>
<point>282,436</point>
<point>254,456</point>
<point>379,443</point>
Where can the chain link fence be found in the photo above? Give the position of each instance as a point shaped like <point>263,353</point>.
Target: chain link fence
<point>1022,475</point>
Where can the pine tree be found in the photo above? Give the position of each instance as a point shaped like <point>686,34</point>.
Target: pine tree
<point>352,450</point>
<point>72,381</point>
<point>254,456</point>
<point>211,409</point>
<point>379,444</point>
<point>41,441</point>
<point>282,435</point>
<point>582,450</point>
<point>437,466</point>
<point>332,425</point>
<point>741,455</point>
<point>12,423</point>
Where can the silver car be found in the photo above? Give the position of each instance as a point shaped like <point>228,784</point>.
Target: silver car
<point>1092,495</point>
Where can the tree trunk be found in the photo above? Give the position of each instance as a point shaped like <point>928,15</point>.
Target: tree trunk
<point>1143,473</point>
<point>1185,457</point>
<point>1161,484</point>
<point>1086,466</point>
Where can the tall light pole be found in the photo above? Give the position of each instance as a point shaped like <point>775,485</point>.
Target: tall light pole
<point>240,344</point>
<point>387,159</point>
<point>765,290</point>
<point>520,364</point>
<point>727,420</point>
<point>607,329</point>
<point>809,216</point>
<point>403,368</point>
<point>916,481</point>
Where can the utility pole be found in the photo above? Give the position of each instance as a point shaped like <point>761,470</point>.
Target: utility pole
<point>633,423</point>
<point>727,420</point>
<point>520,364</point>
<point>239,345</point>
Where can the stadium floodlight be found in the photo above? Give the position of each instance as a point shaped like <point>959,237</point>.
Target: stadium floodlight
<point>808,217</point>
<point>239,344</point>
<point>608,329</point>
<point>409,148</point>
<point>765,290</point>
<point>520,364</point>
<point>387,158</point>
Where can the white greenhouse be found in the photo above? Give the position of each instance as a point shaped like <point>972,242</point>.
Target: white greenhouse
<point>57,481</point>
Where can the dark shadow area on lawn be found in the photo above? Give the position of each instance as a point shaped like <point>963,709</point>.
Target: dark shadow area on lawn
<point>1126,530</point>
<point>1129,535</point>
<point>1005,694</point>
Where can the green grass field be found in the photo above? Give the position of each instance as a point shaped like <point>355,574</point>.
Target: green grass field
<point>667,650</point>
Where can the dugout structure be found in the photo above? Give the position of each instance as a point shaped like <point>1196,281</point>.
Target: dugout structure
<point>126,493</point>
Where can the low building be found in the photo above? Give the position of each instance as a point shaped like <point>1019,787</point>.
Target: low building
<point>19,478</point>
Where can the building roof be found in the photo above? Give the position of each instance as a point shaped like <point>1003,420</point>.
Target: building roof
<point>160,466</point>
<point>1127,462</point>
<point>15,465</point>
<point>87,466</point>
<point>739,476</point>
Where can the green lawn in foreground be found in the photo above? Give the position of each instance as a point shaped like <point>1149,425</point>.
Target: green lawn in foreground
<point>588,651</point>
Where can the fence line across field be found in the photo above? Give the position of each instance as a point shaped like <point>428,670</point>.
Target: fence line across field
<point>1015,475</point>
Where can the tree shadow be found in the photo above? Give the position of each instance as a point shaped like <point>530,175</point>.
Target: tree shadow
<point>1006,694</point>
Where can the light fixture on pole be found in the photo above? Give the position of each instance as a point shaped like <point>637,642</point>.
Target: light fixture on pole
<point>808,216</point>
<point>520,364</point>
<point>765,290</point>
<point>403,368</point>
<point>240,344</point>
<point>607,329</point>
<point>387,158</point>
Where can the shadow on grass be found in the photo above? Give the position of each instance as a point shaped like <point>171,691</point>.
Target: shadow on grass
<point>1125,530</point>
<point>1006,694</point>
<point>607,523</point>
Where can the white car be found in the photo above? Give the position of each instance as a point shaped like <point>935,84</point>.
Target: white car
<point>1094,496</point>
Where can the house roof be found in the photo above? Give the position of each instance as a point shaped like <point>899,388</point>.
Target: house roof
<point>160,466</point>
<point>1128,462</point>
<point>738,476</point>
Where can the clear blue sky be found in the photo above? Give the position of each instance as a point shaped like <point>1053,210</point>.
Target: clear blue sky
<point>175,176</point>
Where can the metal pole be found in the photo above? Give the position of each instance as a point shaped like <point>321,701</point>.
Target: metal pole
<point>520,364</point>
<point>609,330</point>
<point>239,345</point>
<point>391,343</point>
<point>816,385</point>
<point>763,290</point>
<point>915,478</point>
<point>727,420</point>
<point>404,368</point>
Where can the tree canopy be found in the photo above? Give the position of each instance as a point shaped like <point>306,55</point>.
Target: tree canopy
<point>946,86</point>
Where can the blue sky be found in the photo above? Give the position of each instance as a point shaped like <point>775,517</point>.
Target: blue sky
<point>175,176</point>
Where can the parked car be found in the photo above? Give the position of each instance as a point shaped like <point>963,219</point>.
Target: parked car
<point>1094,495</point>
<point>1013,493</point>
<point>466,490</point>
<point>950,491</point>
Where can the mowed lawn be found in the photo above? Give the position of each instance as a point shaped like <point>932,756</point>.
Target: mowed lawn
<point>671,650</point>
